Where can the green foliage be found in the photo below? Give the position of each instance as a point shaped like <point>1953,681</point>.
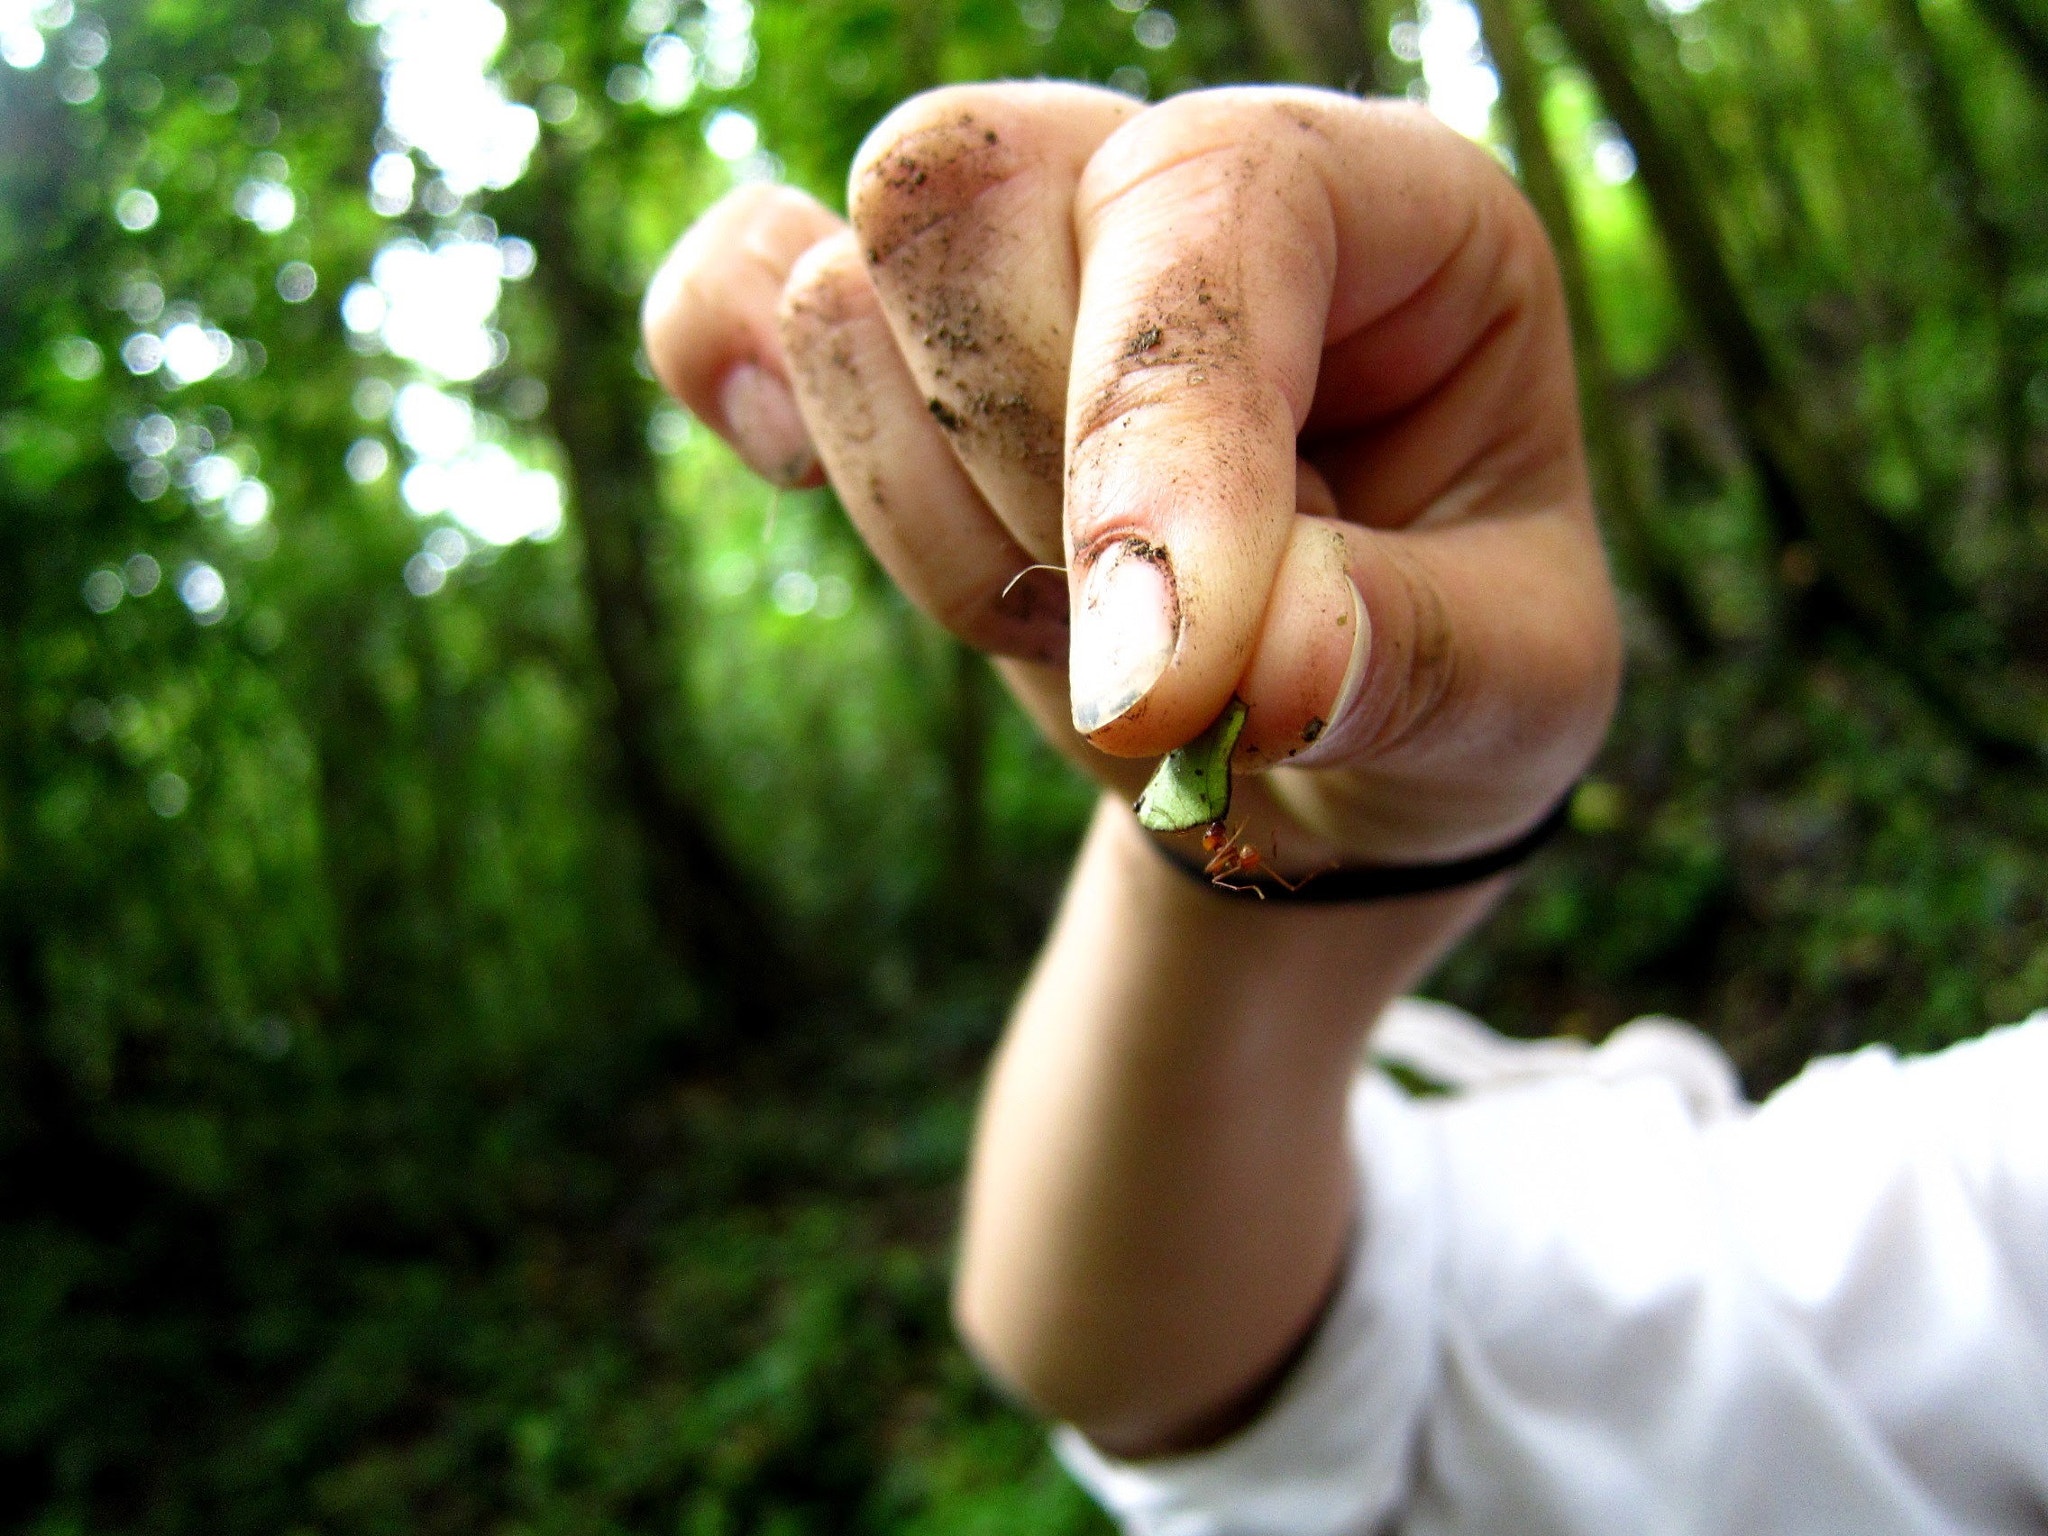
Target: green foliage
<point>496,1054</point>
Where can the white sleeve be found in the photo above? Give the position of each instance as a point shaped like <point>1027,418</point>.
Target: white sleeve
<point>1330,1455</point>
<point>1574,1308</point>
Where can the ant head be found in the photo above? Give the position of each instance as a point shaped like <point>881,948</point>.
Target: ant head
<point>1215,836</point>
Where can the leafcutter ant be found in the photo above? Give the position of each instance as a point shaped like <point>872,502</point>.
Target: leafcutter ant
<point>1231,856</point>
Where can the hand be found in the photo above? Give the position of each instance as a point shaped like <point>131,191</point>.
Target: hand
<point>1279,382</point>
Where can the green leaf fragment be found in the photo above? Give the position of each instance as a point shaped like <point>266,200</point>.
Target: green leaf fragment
<point>1192,785</point>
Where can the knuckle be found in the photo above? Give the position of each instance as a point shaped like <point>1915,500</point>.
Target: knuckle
<point>830,326</point>
<point>827,288</point>
<point>1183,345</point>
<point>1217,393</point>
<point>735,258</point>
<point>1236,133</point>
<point>730,226</point>
<point>925,163</point>
<point>781,224</point>
<point>761,202</point>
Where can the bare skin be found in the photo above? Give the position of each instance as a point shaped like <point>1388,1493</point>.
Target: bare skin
<point>1279,383</point>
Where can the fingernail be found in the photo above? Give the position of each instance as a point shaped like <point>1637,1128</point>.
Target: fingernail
<point>766,427</point>
<point>1124,634</point>
<point>1328,742</point>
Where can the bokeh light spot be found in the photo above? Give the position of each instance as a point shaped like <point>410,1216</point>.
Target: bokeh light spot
<point>297,282</point>
<point>795,593</point>
<point>425,574</point>
<point>439,95</point>
<point>437,304</point>
<point>671,73</point>
<point>136,210</point>
<point>372,398</point>
<point>367,461</point>
<point>668,431</point>
<point>1155,29</point>
<point>149,480</point>
<point>248,504</point>
<point>192,352</point>
<point>21,45</point>
<point>1614,158</point>
<point>142,353</point>
<point>204,591</point>
<point>269,205</point>
<point>156,434</point>
<point>732,135</point>
<point>1131,81</point>
<point>1458,84</point>
<point>77,358</point>
<point>103,591</point>
<point>168,794</point>
<point>214,477</point>
<point>448,546</point>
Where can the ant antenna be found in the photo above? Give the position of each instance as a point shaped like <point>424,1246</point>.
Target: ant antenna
<point>1012,586</point>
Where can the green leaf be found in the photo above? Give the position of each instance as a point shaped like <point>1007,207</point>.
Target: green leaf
<point>1192,785</point>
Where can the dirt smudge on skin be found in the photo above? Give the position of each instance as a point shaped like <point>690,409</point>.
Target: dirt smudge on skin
<point>1214,425</point>
<point>993,371</point>
<point>820,350</point>
<point>1190,331</point>
<point>1174,426</point>
<point>1027,618</point>
<point>1187,326</point>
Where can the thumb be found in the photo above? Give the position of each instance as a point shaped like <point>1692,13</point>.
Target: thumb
<point>1459,675</point>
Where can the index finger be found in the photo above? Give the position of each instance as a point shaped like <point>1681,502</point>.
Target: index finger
<point>1233,244</point>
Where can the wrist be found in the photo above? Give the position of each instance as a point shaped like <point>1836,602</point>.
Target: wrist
<point>1229,861</point>
<point>1174,1081</point>
<point>1266,959</point>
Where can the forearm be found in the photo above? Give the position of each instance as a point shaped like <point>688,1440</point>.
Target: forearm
<point>1160,1194</point>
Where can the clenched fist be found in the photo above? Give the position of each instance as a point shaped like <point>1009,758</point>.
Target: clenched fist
<point>1255,392</point>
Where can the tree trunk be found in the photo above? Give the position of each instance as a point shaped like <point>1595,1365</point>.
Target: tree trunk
<point>2025,32</point>
<point>921,28</point>
<point>707,911</point>
<point>1319,42</point>
<point>1894,594</point>
<point>1616,481</point>
<point>963,742</point>
<point>1990,246</point>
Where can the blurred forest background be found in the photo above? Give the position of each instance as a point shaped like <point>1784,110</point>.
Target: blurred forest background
<point>501,916</point>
